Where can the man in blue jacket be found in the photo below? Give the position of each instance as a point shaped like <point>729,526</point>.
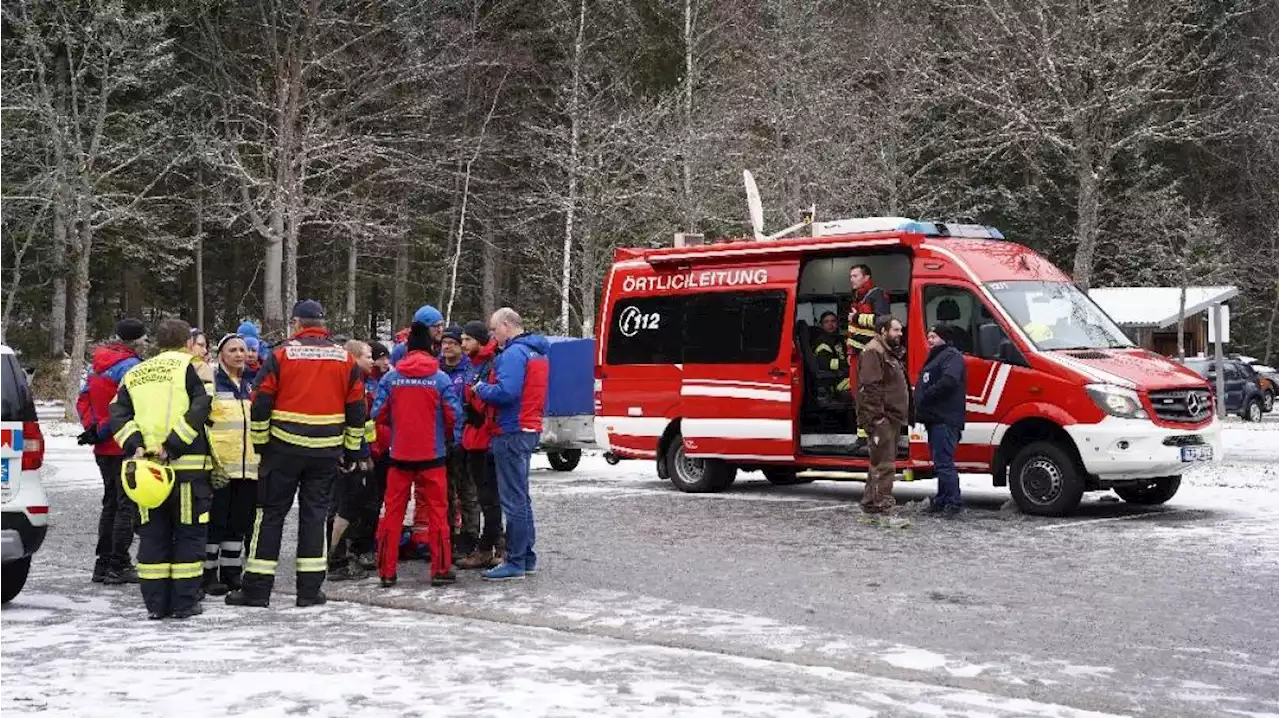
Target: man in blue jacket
<point>518,389</point>
<point>940,407</point>
<point>434,321</point>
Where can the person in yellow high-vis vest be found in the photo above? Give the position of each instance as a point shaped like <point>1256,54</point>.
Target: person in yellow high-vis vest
<point>160,412</point>
<point>235,469</point>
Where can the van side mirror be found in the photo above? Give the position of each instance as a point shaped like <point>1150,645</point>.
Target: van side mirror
<point>989,338</point>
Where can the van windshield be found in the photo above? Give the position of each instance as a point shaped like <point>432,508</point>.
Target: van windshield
<point>1057,315</point>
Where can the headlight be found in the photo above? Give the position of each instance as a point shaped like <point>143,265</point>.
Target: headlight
<point>1117,401</point>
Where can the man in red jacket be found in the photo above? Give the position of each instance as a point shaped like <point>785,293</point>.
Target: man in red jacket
<point>478,431</point>
<point>418,403</point>
<point>115,524</point>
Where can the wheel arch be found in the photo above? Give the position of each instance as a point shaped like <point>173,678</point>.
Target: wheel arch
<point>668,435</point>
<point>1027,430</point>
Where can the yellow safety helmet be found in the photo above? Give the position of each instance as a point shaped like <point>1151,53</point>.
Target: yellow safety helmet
<point>148,483</point>
<point>1037,332</point>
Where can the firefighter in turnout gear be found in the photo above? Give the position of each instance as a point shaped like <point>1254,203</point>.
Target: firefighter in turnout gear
<point>160,412</point>
<point>869,302</point>
<point>829,348</point>
<point>308,411</point>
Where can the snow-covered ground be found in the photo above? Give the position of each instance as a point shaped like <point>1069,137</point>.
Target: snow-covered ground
<point>757,601</point>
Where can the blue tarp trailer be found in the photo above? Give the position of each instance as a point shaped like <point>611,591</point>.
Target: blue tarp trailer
<point>569,414</point>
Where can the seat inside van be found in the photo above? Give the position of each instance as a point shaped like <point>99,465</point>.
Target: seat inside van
<point>827,423</point>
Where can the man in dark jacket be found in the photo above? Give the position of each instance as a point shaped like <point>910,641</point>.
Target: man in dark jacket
<point>940,407</point>
<point>883,400</point>
<point>111,362</point>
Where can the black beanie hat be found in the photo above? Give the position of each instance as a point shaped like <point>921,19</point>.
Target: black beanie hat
<point>476,330</point>
<point>379,350</point>
<point>454,332</point>
<point>130,330</point>
<point>419,338</point>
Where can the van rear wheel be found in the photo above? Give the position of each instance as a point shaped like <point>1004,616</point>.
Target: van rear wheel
<point>1150,493</point>
<point>785,477</point>
<point>1044,480</point>
<point>564,460</point>
<point>13,576</point>
<point>697,476</point>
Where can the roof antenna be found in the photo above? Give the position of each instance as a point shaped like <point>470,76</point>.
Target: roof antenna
<point>756,210</point>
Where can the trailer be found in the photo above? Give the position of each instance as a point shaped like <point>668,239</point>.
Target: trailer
<point>568,424</point>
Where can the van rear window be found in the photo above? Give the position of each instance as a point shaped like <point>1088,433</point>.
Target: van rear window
<point>713,328</point>
<point>17,404</point>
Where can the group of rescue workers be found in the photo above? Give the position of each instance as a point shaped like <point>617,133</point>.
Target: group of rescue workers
<point>203,453</point>
<point>874,354</point>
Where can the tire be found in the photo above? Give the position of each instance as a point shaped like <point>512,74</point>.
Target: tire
<point>1252,410</point>
<point>566,460</point>
<point>697,476</point>
<point>611,458</point>
<point>1150,493</point>
<point>1044,480</point>
<point>1268,402</point>
<point>785,477</point>
<point>13,576</point>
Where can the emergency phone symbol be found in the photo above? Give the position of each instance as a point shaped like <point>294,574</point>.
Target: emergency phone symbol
<point>632,321</point>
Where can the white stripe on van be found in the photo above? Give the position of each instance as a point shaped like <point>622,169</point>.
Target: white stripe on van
<point>735,392</point>
<point>647,426</point>
<point>736,428</point>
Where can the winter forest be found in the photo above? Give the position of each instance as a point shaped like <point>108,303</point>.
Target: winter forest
<point>218,159</point>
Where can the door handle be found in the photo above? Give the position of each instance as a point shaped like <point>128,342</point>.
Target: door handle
<point>778,373</point>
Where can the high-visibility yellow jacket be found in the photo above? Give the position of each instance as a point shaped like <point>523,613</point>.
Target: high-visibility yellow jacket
<point>162,403</point>
<point>233,452</point>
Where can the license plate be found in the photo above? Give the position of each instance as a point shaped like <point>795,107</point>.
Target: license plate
<point>1197,453</point>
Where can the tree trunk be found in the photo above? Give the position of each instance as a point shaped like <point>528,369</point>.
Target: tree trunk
<point>686,163</point>
<point>488,277</point>
<point>575,134</point>
<point>1182,319</point>
<point>79,312</point>
<point>349,308</point>
<point>1271,336</point>
<point>587,283</point>
<point>200,251</point>
<point>291,262</point>
<point>132,291</point>
<point>400,290</point>
<point>58,308</point>
<point>272,310</point>
<point>1088,204</point>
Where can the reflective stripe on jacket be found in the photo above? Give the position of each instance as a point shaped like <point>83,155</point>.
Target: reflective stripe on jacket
<point>862,316</point>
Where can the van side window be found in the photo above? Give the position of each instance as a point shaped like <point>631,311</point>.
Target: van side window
<point>712,328</point>
<point>960,318</point>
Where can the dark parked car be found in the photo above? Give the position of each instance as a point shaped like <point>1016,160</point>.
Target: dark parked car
<point>1241,383</point>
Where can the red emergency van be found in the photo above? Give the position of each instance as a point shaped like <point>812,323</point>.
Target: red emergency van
<point>705,363</point>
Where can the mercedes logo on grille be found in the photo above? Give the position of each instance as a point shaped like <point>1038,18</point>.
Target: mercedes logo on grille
<point>1194,407</point>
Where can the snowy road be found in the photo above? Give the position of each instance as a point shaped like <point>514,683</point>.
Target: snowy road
<point>758,601</point>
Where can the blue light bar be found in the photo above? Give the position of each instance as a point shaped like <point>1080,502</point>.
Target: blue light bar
<point>862,225</point>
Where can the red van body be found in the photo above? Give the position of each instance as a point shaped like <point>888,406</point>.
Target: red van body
<point>702,365</point>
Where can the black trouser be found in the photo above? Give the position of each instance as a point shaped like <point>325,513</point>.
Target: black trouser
<point>229,525</point>
<point>171,542</point>
<point>281,476</point>
<point>116,522</point>
<point>347,499</point>
<point>484,474</point>
<point>463,502</point>
<point>363,537</point>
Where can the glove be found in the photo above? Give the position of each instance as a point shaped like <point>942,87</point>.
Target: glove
<point>219,479</point>
<point>474,417</point>
<point>88,437</point>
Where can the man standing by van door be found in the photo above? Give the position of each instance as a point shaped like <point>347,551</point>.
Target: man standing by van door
<point>883,401</point>
<point>869,303</point>
<point>940,407</point>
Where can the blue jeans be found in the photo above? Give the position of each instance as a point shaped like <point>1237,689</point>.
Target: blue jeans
<point>942,445</point>
<point>511,453</point>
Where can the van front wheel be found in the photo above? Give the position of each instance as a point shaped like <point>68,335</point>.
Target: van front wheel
<point>785,477</point>
<point>565,460</point>
<point>697,476</point>
<point>1150,493</point>
<point>1044,481</point>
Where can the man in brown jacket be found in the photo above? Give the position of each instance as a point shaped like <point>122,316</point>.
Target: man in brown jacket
<point>883,400</point>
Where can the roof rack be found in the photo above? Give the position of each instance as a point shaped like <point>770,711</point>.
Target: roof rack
<point>861,225</point>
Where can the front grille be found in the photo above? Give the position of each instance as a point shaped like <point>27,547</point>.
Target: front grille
<point>1187,406</point>
<point>1184,440</point>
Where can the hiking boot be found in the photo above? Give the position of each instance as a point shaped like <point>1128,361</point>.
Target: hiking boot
<point>240,598</point>
<point>307,601</point>
<point>210,584</point>
<point>388,581</point>
<point>367,561</point>
<point>232,580</point>
<point>99,570</point>
<point>933,507</point>
<point>952,511</point>
<point>348,571</point>
<point>503,572</point>
<point>479,558</point>
<point>195,610</point>
<point>444,579</point>
<point>156,615</point>
<point>122,575</point>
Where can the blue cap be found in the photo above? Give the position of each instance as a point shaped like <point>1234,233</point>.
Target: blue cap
<point>308,309</point>
<point>247,329</point>
<point>428,315</point>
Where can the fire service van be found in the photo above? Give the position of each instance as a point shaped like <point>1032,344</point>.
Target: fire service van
<point>705,363</point>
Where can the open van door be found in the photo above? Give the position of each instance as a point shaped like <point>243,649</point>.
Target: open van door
<point>738,371</point>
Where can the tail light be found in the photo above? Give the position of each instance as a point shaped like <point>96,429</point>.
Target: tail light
<point>32,446</point>
<point>599,372</point>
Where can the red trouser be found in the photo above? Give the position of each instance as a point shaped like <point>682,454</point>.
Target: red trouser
<point>431,503</point>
